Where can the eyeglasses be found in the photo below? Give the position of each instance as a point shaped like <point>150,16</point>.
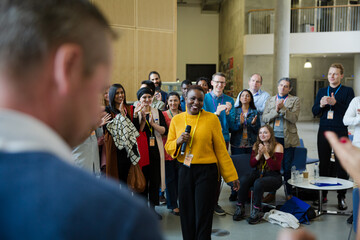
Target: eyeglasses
<point>218,82</point>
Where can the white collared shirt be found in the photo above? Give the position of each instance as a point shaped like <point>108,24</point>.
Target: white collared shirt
<point>20,132</point>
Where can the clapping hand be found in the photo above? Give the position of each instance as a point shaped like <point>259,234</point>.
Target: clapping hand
<point>220,108</point>
<point>279,104</point>
<point>122,109</point>
<point>331,100</point>
<point>228,107</point>
<point>262,149</point>
<point>138,108</point>
<point>242,118</point>
<point>254,120</point>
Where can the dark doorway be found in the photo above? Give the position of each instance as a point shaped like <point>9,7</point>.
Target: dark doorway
<point>194,71</point>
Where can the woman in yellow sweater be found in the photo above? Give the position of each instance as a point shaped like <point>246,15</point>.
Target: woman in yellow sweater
<point>205,156</point>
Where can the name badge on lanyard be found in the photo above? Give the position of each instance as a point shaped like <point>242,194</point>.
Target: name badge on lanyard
<point>188,158</point>
<point>277,122</point>
<point>330,114</point>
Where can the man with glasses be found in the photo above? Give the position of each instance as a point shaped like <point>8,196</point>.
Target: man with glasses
<point>221,105</point>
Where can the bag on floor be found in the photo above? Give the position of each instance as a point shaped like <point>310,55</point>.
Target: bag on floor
<point>136,179</point>
<point>298,208</point>
<point>283,219</point>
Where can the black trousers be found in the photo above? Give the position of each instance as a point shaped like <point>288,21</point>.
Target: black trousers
<point>197,187</point>
<point>324,151</point>
<point>270,182</point>
<point>152,176</point>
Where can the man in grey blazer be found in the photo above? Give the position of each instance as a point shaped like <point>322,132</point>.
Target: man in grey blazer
<point>281,113</point>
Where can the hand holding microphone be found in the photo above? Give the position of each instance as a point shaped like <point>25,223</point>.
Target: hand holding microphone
<point>183,139</point>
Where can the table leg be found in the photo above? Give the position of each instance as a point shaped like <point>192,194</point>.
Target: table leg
<point>320,202</point>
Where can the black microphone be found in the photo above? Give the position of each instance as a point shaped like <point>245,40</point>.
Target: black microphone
<point>183,146</point>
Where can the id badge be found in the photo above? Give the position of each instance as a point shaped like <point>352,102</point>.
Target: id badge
<point>188,159</point>
<point>244,136</point>
<point>277,123</point>
<point>330,114</point>
<point>152,141</point>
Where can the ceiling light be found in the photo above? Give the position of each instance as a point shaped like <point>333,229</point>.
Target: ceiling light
<point>307,64</point>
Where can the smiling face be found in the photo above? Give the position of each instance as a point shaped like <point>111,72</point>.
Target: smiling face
<point>173,102</point>
<point>334,76</point>
<point>155,79</point>
<point>218,83</point>
<point>194,101</point>
<point>284,88</point>
<point>119,96</point>
<point>204,85</point>
<point>264,134</point>
<point>146,99</point>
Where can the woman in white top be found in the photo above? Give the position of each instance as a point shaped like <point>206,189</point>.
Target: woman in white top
<point>352,118</point>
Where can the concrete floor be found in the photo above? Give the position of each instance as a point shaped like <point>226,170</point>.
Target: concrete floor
<point>324,227</point>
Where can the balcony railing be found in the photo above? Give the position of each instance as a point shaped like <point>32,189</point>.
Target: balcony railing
<point>308,19</point>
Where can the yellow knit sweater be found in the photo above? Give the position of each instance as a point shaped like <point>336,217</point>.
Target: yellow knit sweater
<point>208,144</point>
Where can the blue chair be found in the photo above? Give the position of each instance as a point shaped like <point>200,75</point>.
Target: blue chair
<point>308,159</point>
<point>300,158</point>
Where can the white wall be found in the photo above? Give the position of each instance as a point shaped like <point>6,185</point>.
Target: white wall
<point>305,77</point>
<point>305,43</point>
<point>197,38</point>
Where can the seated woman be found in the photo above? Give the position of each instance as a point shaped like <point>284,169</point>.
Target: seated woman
<point>266,156</point>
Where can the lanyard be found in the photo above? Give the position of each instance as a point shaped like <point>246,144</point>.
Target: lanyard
<point>282,98</point>
<point>263,166</point>
<point>328,93</point>
<point>222,100</point>
<point>171,113</point>
<point>192,137</point>
<point>328,90</point>
<point>150,127</point>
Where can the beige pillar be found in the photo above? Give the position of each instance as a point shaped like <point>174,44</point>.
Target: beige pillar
<point>357,74</point>
<point>281,40</point>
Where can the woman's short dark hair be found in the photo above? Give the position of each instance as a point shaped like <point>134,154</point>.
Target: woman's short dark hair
<point>208,82</point>
<point>195,87</point>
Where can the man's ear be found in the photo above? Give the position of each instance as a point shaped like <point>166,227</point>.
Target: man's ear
<point>68,64</point>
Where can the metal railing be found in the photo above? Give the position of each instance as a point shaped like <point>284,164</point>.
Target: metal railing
<point>308,19</point>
